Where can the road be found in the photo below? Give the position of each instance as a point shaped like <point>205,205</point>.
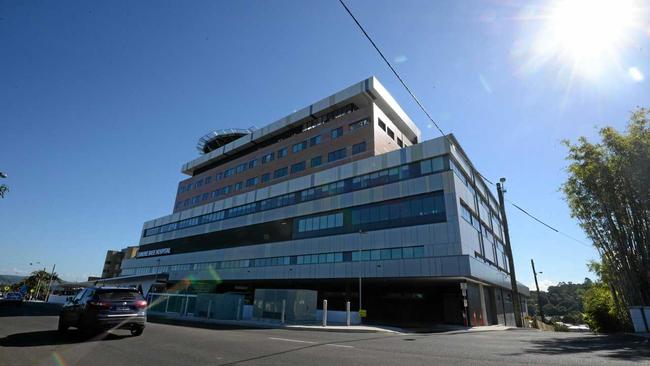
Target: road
<point>29,337</point>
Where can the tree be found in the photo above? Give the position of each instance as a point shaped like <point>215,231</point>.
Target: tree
<point>599,309</point>
<point>3,190</point>
<point>608,191</point>
<point>39,280</point>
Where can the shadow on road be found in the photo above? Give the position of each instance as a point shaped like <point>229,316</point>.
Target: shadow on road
<point>616,346</point>
<point>29,309</point>
<point>53,338</point>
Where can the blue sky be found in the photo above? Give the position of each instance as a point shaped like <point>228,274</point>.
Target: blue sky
<point>101,103</point>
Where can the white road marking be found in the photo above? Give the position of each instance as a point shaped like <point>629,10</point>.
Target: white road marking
<point>291,340</point>
<point>339,345</point>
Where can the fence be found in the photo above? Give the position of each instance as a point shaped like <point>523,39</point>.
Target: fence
<point>180,304</point>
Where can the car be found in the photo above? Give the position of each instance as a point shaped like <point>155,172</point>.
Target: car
<point>13,298</point>
<point>105,308</point>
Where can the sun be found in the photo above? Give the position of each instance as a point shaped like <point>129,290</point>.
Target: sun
<point>588,35</point>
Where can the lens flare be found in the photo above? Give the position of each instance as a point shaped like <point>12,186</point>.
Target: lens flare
<point>586,38</point>
<point>58,359</point>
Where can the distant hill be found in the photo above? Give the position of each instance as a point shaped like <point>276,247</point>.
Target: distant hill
<point>10,279</point>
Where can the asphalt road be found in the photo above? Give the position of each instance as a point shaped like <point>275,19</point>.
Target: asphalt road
<point>29,337</point>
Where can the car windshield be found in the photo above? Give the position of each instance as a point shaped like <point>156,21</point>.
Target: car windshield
<point>118,295</point>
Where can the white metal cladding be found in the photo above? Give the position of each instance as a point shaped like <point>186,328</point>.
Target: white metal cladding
<point>424,150</point>
<point>423,184</point>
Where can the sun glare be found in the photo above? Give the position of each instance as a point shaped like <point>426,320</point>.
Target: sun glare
<point>587,35</point>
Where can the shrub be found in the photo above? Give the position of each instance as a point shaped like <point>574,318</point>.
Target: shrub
<point>600,313</point>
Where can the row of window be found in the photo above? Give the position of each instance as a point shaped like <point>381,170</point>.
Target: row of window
<point>320,258</point>
<point>389,132</point>
<point>281,153</point>
<point>487,213</point>
<point>277,174</point>
<point>385,176</point>
<point>415,210</point>
<point>321,222</point>
<point>337,113</point>
<point>491,248</point>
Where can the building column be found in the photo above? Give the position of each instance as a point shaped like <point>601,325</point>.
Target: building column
<point>483,308</point>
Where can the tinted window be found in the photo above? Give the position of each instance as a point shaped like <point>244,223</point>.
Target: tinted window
<point>113,294</point>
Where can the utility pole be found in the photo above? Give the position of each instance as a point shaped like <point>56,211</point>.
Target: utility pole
<point>511,261</point>
<point>539,298</point>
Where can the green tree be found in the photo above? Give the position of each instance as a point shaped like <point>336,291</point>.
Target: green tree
<point>608,191</point>
<point>600,312</point>
<point>38,280</point>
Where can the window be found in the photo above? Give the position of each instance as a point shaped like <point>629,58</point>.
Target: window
<point>208,179</point>
<point>205,196</point>
<point>315,140</point>
<point>198,183</point>
<point>358,124</point>
<point>298,167</point>
<point>218,177</point>
<point>266,177</point>
<point>336,133</point>
<point>282,153</point>
<point>316,161</point>
<point>399,142</point>
<point>252,181</point>
<point>241,168</point>
<point>390,133</point>
<point>239,186</point>
<point>336,155</point>
<point>299,146</point>
<point>280,173</point>
<point>358,148</point>
<point>464,212</point>
<point>381,124</point>
<point>228,172</point>
<point>268,158</point>
<point>252,164</point>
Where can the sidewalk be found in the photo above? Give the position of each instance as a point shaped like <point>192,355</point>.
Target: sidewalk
<point>331,327</point>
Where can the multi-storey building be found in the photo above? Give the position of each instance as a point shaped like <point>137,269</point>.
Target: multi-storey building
<point>113,262</point>
<point>344,198</point>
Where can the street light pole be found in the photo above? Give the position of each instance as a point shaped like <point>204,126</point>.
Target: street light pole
<point>511,261</point>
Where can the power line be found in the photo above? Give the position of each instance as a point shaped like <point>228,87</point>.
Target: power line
<point>417,101</point>
<point>393,69</point>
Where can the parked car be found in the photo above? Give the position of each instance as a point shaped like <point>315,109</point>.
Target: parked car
<point>15,298</point>
<point>103,308</point>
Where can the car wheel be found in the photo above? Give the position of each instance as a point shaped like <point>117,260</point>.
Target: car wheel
<point>63,326</point>
<point>136,331</point>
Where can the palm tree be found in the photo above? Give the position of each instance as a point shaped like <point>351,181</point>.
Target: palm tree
<point>3,188</point>
<point>39,280</point>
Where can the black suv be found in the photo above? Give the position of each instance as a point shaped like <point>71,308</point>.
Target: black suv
<point>102,308</point>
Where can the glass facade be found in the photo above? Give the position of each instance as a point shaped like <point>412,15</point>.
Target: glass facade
<point>318,258</point>
<point>381,177</point>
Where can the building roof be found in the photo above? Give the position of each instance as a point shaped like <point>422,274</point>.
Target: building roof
<point>364,91</point>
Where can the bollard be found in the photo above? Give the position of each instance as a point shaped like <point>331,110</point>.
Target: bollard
<point>347,313</point>
<point>209,308</point>
<point>284,305</point>
<point>324,313</point>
